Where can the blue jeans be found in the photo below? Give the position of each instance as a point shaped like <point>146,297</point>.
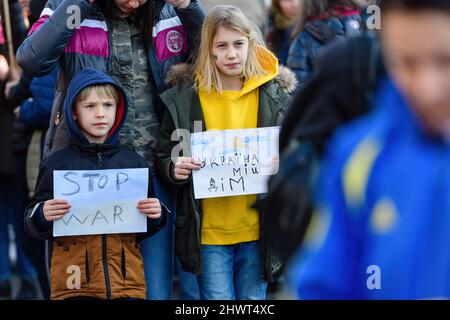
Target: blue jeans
<point>232,272</point>
<point>188,283</point>
<point>158,254</point>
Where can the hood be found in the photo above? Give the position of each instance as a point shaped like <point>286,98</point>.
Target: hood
<point>281,75</point>
<point>86,78</point>
<point>269,63</point>
<point>343,22</point>
<point>324,30</point>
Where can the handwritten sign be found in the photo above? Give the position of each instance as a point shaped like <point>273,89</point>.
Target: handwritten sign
<point>234,162</point>
<point>102,201</point>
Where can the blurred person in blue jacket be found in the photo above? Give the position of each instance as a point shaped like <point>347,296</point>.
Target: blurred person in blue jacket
<point>380,230</point>
<point>320,23</point>
<point>36,111</point>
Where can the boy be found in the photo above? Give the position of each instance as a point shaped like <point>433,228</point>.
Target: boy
<point>381,231</point>
<point>111,265</point>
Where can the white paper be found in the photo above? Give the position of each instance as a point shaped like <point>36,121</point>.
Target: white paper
<point>102,201</point>
<point>234,162</point>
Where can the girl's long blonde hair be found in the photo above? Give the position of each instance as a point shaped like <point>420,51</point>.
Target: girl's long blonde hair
<point>232,18</point>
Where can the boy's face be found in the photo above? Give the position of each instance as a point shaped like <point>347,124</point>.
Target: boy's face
<point>95,116</point>
<point>417,52</point>
<point>230,50</point>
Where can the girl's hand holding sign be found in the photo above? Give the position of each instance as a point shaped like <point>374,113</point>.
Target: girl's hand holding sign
<point>184,166</point>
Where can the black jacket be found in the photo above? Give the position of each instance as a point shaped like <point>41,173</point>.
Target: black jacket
<point>6,116</point>
<point>21,133</point>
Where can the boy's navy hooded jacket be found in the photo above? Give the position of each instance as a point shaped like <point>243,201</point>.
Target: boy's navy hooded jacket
<point>111,265</point>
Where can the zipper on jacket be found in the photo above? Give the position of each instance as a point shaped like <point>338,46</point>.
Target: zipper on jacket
<point>52,136</point>
<point>100,159</point>
<point>199,241</point>
<point>108,64</point>
<point>123,264</point>
<point>104,246</point>
<point>57,119</point>
<point>88,276</point>
<point>105,267</point>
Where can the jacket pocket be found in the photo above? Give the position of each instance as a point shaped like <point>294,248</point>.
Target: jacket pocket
<point>69,270</point>
<point>132,265</point>
<point>180,241</point>
<point>179,221</point>
<point>186,244</point>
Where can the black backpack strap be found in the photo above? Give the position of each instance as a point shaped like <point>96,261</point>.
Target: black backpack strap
<point>366,55</point>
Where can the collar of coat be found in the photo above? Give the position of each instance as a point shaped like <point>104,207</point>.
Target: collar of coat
<point>285,78</point>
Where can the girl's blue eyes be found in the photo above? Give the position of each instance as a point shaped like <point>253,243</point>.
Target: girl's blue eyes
<point>238,44</point>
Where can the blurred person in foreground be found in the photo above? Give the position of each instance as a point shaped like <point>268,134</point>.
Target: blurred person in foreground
<point>380,230</point>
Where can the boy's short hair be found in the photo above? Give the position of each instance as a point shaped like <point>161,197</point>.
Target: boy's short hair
<point>107,91</point>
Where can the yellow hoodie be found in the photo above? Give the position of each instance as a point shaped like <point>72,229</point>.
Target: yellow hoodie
<point>231,220</point>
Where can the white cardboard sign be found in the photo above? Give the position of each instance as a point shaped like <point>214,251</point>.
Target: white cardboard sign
<point>102,201</point>
<point>234,162</point>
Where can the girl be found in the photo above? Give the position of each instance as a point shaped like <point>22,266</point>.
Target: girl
<point>136,42</point>
<point>237,84</point>
<point>283,15</point>
<point>320,22</point>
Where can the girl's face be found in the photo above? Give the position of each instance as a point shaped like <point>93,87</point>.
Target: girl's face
<point>128,6</point>
<point>289,8</point>
<point>230,50</point>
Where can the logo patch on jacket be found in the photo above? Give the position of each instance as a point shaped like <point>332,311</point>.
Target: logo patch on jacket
<point>169,39</point>
<point>384,216</point>
<point>175,41</point>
